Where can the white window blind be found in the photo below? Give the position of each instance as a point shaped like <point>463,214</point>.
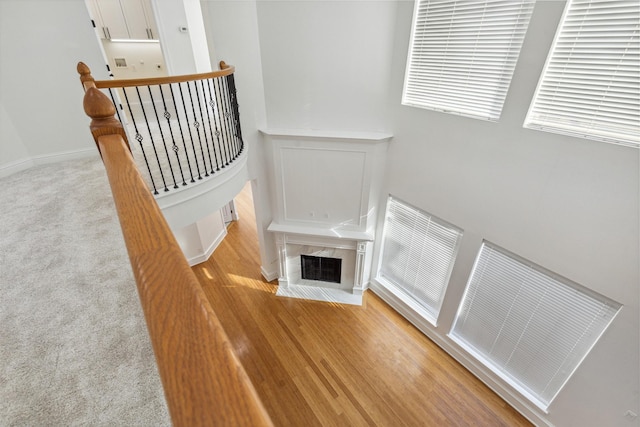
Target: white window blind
<point>590,86</point>
<point>462,55</point>
<point>529,326</point>
<point>418,252</point>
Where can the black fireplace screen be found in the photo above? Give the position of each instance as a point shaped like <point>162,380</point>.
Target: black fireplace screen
<point>321,268</point>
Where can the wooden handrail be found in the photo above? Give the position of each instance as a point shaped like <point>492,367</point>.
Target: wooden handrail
<point>83,70</point>
<point>204,382</point>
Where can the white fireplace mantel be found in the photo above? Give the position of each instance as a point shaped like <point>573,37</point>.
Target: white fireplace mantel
<point>327,192</point>
<point>335,232</point>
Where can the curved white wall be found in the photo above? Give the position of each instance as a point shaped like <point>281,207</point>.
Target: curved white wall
<point>188,205</point>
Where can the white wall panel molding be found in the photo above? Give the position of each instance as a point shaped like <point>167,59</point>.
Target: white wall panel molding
<point>326,183</point>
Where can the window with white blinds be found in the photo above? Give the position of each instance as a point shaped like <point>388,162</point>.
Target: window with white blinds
<point>462,54</point>
<point>418,251</point>
<point>531,327</point>
<point>590,86</point>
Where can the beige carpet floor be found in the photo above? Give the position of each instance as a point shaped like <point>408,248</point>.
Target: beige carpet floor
<point>74,349</point>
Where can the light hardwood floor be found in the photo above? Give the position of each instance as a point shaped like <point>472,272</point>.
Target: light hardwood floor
<point>323,364</point>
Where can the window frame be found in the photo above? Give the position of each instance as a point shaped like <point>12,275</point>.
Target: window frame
<point>453,95</point>
<point>429,312</point>
<point>543,118</point>
<point>488,361</point>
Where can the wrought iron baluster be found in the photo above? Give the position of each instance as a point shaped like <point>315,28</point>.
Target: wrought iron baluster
<point>228,121</point>
<point>236,111</point>
<point>200,94</point>
<point>184,144</point>
<point>174,146</point>
<point>153,144</point>
<point>116,104</point>
<point>212,104</point>
<point>139,138</point>
<point>197,126</point>
<point>225,123</point>
<point>219,115</point>
<point>186,116</point>
<point>164,142</point>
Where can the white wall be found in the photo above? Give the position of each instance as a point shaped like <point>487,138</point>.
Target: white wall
<point>326,64</point>
<point>143,59</point>
<point>201,238</point>
<point>568,204</point>
<point>41,41</point>
<point>316,75</point>
<point>185,52</point>
<point>232,29</point>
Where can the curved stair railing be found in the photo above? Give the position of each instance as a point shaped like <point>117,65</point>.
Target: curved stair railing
<point>204,382</point>
<point>182,129</point>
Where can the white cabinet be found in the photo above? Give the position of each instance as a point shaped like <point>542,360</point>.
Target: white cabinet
<point>96,18</point>
<point>123,19</point>
<point>139,17</point>
<point>114,25</point>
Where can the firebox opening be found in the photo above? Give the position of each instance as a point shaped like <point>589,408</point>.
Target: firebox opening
<point>321,268</point>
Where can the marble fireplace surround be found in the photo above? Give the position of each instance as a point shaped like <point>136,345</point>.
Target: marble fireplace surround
<point>352,252</point>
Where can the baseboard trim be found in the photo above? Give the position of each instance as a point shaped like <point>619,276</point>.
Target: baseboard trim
<point>62,156</point>
<point>45,159</point>
<point>209,251</point>
<point>269,276</point>
<point>15,167</point>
